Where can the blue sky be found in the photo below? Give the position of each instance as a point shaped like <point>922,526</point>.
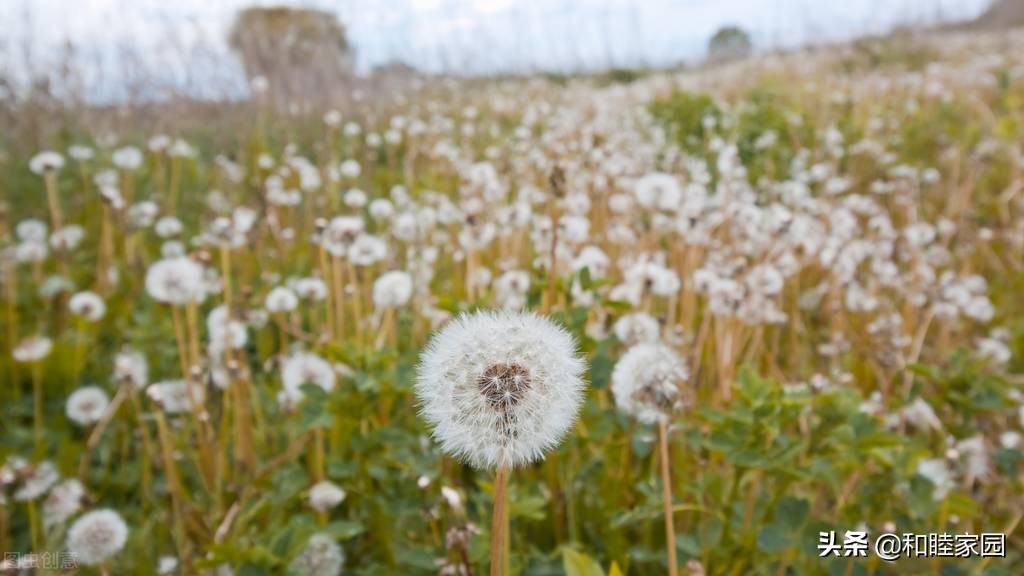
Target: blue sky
<point>184,38</point>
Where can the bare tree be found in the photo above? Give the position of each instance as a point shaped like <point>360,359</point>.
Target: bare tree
<point>729,43</point>
<point>303,55</point>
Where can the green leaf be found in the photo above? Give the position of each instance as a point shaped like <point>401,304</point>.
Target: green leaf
<point>418,557</point>
<point>579,564</point>
<point>345,529</point>
<point>791,512</point>
<point>313,393</point>
<point>773,538</point>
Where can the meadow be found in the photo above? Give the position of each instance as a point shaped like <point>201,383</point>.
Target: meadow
<point>215,353</point>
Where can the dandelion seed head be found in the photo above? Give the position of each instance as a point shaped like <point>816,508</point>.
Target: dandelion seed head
<point>355,198</point>
<point>321,556</point>
<point>636,327</point>
<point>127,158</point>
<point>176,281</point>
<point>36,481</point>
<point>46,161</point>
<point>88,305</point>
<point>500,388</point>
<point>658,191</point>
<point>325,495</point>
<point>86,405</point>
<point>166,565</point>
<point>392,290</point>
<point>131,366</point>
<point>63,502</point>
<point>176,396</point>
<point>937,471</point>
<point>32,349</point>
<point>647,382</point>
<point>309,288</point>
<point>97,536</point>
<point>304,368</point>
<point>281,299</point>
<point>31,230</point>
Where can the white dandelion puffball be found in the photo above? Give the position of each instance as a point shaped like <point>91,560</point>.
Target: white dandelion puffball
<point>32,349</point>
<point>86,405</point>
<point>97,536</point>
<point>176,396</point>
<point>63,502</point>
<point>322,556</point>
<point>392,289</point>
<point>304,368</point>
<point>177,281</point>
<point>636,328</point>
<point>88,305</point>
<point>127,158</point>
<point>658,191</point>
<point>46,161</point>
<point>31,230</point>
<point>281,299</point>
<point>166,565</point>
<point>36,481</point>
<point>500,388</point>
<point>647,382</point>
<point>325,495</point>
<point>131,366</point>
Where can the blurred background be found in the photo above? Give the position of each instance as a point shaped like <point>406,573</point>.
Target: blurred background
<point>121,49</point>
<point>83,57</point>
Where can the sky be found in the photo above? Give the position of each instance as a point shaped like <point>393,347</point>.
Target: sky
<point>184,39</point>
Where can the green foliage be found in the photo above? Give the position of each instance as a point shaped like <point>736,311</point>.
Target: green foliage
<point>684,114</point>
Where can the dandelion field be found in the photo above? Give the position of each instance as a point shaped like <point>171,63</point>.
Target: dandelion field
<point>816,261</point>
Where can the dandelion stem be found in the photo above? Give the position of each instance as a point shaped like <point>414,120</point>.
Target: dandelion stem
<point>37,405</point>
<point>499,522</point>
<point>33,523</point>
<point>148,450</point>
<point>97,431</point>
<point>11,299</point>
<point>666,494</point>
<point>56,217</point>
<point>174,486</point>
